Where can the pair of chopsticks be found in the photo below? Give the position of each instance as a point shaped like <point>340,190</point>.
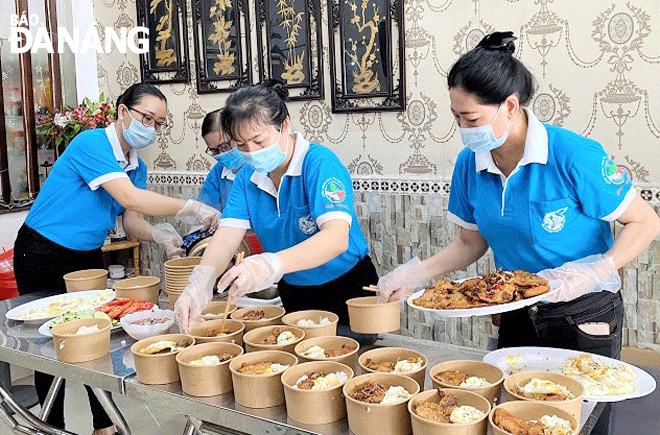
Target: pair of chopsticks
<point>237,260</point>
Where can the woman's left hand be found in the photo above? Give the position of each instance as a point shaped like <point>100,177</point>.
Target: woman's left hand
<point>254,273</point>
<point>592,273</point>
<point>198,214</point>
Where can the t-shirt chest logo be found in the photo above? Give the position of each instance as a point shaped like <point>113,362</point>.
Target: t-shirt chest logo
<point>307,224</point>
<point>554,221</point>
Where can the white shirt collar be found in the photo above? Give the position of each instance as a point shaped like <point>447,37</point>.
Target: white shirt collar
<point>132,162</point>
<point>227,174</point>
<point>263,181</point>
<point>536,147</point>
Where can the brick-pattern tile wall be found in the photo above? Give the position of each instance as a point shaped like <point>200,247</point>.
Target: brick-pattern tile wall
<point>400,226</point>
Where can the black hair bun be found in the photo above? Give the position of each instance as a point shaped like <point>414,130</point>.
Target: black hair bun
<point>499,41</point>
<point>276,86</point>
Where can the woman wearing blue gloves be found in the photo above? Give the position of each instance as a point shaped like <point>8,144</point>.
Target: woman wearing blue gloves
<point>98,177</point>
<point>298,199</point>
<point>543,199</point>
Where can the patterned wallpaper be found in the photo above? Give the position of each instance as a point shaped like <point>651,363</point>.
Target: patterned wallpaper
<point>596,63</point>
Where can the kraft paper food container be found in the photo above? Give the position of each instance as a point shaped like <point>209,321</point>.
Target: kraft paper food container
<point>73,348</point>
<point>422,426</point>
<point>205,381</point>
<point>158,369</point>
<point>182,264</point>
<point>201,330</point>
<point>314,406</point>
<point>259,391</point>
<point>216,310</point>
<point>88,279</point>
<point>572,406</point>
<point>367,316</point>
<point>530,411</point>
<point>272,316</point>
<point>394,354</point>
<point>253,339</point>
<point>140,288</point>
<point>330,342</point>
<point>292,319</point>
<point>492,374</point>
<point>172,298</point>
<point>375,418</point>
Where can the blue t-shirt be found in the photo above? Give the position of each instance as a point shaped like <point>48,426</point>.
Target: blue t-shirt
<point>315,189</point>
<point>545,213</point>
<point>71,209</point>
<point>217,186</point>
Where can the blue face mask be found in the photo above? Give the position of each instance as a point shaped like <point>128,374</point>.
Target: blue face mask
<point>138,135</point>
<point>230,159</point>
<point>482,138</point>
<point>266,159</point>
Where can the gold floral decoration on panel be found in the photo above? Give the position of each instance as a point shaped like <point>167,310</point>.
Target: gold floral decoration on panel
<point>164,56</point>
<point>291,23</point>
<point>222,38</point>
<point>363,75</point>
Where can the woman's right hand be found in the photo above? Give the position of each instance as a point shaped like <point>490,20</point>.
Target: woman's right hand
<point>195,297</point>
<point>410,275</point>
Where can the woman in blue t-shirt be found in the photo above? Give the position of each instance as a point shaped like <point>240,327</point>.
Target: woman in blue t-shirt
<point>98,177</point>
<point>297,197</point>
<point>217,185</point>
<point>543,199</point>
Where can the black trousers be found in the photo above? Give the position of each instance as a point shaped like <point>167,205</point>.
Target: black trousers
<point>331,296</point>
<point>556,325</point>
<point>40,264</point>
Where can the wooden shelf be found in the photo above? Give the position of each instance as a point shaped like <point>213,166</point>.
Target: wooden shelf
<point>133,244</point>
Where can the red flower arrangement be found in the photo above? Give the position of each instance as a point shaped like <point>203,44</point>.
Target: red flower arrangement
<point>61,127</point>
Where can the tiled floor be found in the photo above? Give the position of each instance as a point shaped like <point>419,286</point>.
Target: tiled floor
<point>638,417</point>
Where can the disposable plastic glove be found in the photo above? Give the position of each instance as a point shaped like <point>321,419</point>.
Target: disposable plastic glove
<point>198,215</point>
<point>254,273</point>
<point>166,236</point>
<point>409,275</point>
<point>590,274</point>
<point>195,297</point>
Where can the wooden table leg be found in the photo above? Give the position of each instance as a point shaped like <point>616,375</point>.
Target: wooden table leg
<point>136,261</point>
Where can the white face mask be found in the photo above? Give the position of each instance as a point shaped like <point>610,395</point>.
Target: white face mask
<point>482,138</point>
<point>138,135</point>
<point>267,159</point>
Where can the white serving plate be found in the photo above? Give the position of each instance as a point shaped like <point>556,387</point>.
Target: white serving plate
<point>516,359</point>
<point>555,285</point>
<point>89,295</point>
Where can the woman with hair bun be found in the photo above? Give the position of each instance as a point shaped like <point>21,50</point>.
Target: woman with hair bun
<point>543,199</point>
<point>297,197</point>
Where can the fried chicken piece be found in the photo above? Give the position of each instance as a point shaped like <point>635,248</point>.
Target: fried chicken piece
<point>218,332</point>
<point>515,426</point>
<point>529,292</point>
<point>451,377</point>
<point>308,383</point>
<point>254,369</point>
<point>369,392</point>
<point>253,315</point>
<point>339,351</point>
<point>431,411</point>
<point>383,366</point>
<point>272,338</point>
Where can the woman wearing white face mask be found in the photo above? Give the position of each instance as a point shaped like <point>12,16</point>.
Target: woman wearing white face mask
<point>98,177</point>
<point>543,198</point>
<point>219,180</point>
<point>298,199</point>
